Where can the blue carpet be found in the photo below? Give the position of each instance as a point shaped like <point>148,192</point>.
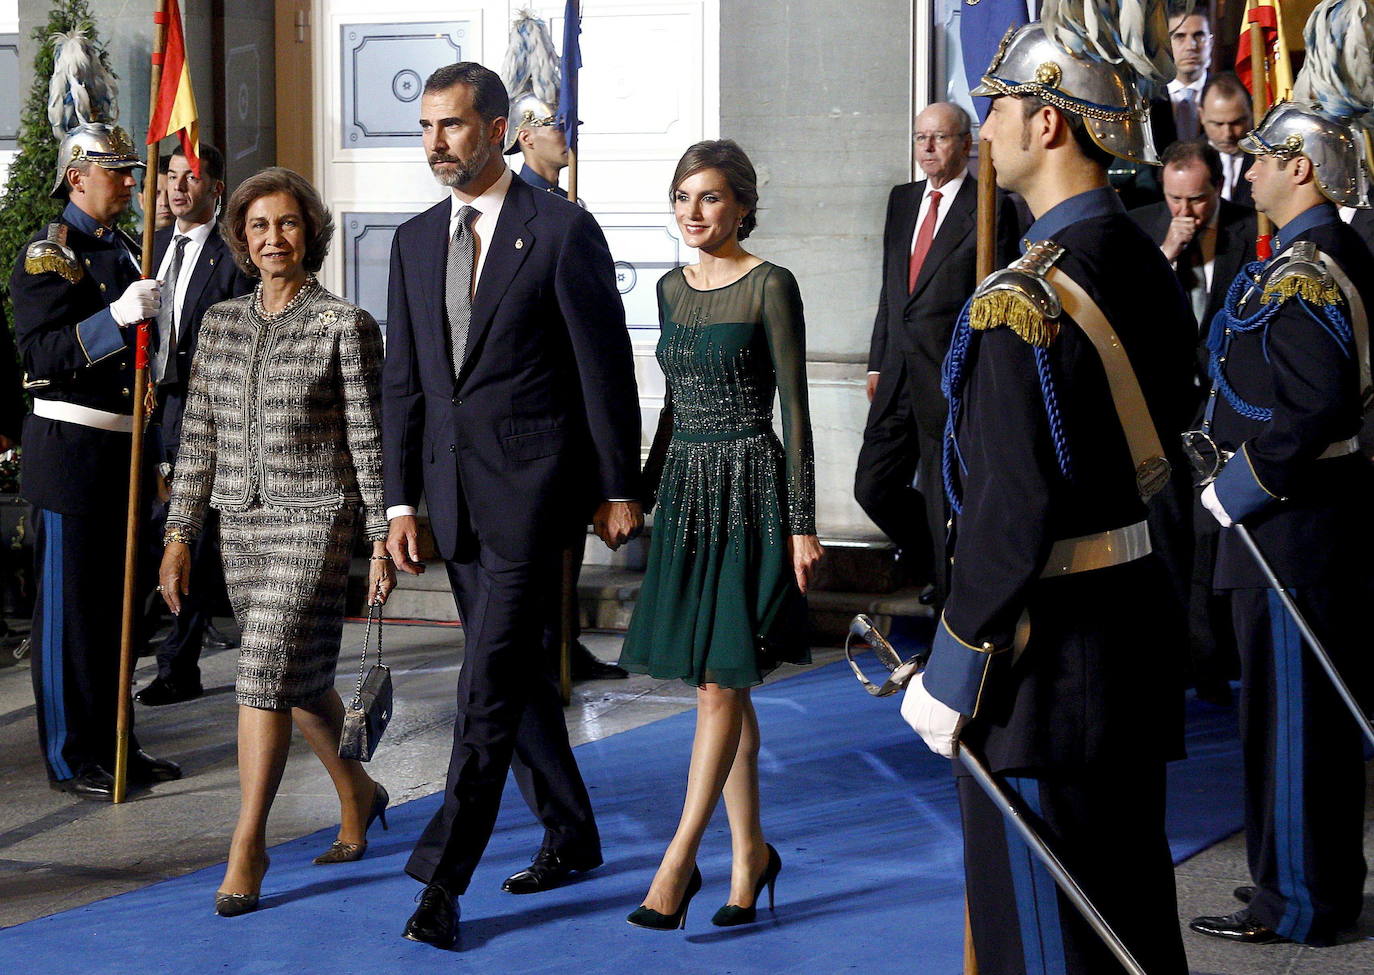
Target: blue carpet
<point>864,816</point>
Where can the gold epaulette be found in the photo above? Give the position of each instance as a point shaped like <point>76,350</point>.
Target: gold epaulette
<point>1020,297</point>
<point>1301,274</point>
<point>53,255</point>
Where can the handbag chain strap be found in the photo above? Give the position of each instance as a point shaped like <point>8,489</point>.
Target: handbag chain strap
<point>374,613</point>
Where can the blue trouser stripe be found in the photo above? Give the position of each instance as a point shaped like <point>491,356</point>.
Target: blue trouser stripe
<point>1289,773</point>
<point>53,650</point>
<point>1037,897</point>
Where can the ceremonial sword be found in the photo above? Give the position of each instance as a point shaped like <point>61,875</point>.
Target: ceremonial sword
<point>902,671</point>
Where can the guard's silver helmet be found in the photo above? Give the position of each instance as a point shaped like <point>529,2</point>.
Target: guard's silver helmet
<point>105,145</point>
<point>1104,95</point>
<point>527,111</point>
<point>1292,128</point>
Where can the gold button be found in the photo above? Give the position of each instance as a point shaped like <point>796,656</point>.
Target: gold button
<point>102,286</point>
<point>126,391</point>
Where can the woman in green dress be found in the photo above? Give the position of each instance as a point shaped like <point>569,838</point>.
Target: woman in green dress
<point>734,541</point>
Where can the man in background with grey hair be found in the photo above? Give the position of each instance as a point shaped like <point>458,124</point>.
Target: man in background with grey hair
<point>928,272</point>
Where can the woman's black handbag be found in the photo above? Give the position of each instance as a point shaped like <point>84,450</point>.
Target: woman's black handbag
<point>366,718</point>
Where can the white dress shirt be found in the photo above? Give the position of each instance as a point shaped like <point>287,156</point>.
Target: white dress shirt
<point>1230,173</point>
<point>195,243</point>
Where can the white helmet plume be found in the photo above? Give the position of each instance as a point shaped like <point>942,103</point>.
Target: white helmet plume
<point>82,89</point>
<point>1339,70</point>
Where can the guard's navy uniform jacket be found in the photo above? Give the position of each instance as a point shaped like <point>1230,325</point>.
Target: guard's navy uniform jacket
<point>1082,720</point>
<point>79,368</point>
<point>1287,399</point>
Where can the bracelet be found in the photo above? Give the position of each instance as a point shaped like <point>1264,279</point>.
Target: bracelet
<point>379,558</point>
<point>177,533</point>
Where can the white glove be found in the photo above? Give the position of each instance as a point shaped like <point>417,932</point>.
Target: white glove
<point>140,301</point>
<point>937,723</point>
<point>1212,503</point>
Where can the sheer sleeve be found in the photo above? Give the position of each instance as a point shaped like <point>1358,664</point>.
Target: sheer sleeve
<point>785,327</point>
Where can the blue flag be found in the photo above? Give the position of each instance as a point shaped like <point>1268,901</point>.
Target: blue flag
<point>982,25</point>
<point>569,63</point>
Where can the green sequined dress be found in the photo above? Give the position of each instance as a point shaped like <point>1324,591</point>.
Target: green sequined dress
<point>720,603</point>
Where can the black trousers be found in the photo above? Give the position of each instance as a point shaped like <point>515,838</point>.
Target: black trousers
<point>1304,762</point>
<point>508,704</point>
<point>79,572</point>
<point>1108,830</point>
<point>178,657</point>
<point>893,452</point>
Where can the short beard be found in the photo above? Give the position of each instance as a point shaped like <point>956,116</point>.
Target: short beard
<point>464,171</point>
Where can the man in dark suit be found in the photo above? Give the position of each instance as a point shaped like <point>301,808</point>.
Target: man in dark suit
<point>11,389</point>
<point>1226,116</point>
<point>76,293</point>
<point>198,270</point>
<point>929,266</point>
<point>1207,241</point>
<point>509,403</point>
<point>1362,222</point>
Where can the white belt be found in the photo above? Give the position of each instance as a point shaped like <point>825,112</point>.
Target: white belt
<point>52,409</point>
<point>1341,449</point>
<point>1098,551</point>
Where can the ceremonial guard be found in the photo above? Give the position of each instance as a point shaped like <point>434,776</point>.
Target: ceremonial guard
<point>1279,453</point>
<point>77,294</point>
<point>1066,373</point>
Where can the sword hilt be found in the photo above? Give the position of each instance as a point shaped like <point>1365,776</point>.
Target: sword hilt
<point>900,671</point>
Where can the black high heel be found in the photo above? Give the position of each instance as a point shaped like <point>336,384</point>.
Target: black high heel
<point>644,917</point>
<point>341,852</point>
<point>731,915</point>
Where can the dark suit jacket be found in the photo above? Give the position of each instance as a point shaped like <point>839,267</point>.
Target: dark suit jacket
<point>917,325</point>
<point>11,385</point>
<point>216,277</point>
<point>1363,225</point>
<point>1235,247</point>
<point>543,421</point>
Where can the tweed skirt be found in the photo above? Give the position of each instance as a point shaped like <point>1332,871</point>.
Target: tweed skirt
<point>286,572</point>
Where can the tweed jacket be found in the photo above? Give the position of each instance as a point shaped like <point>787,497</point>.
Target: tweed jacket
<point>283,412</point>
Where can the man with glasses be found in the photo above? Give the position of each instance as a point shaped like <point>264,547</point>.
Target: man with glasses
<point>929,270</point>
<point>1191,39</point>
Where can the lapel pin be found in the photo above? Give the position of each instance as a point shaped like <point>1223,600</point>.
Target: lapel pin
<point>212,262</point>
<point>519,242</point>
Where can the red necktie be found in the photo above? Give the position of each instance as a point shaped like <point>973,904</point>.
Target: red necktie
<point>923,238</point>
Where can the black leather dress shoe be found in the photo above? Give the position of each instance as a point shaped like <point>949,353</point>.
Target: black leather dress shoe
<point>145,770</point>
<point>587,667</point>
<point>164,691</point>
<point>550,869</point>
<point>435,921</point>
<point>89,782</point>
<point>1239,927</point>
<point>1245,893</point>
<point>216,639</point>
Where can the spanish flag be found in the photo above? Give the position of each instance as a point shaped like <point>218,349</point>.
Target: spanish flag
<point>1265,16</point>
<point>176,103</point>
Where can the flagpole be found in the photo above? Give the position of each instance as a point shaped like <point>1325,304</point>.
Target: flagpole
<point>1259,94</point>
<point>131,533</point>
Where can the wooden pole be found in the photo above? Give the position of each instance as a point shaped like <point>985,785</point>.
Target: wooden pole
<point>986,264</point>
<point>135,515</point>
<point>1259,103</point>
<point>572,175</point>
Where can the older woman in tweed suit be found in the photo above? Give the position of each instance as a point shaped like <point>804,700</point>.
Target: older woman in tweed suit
<point>280,435</point>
